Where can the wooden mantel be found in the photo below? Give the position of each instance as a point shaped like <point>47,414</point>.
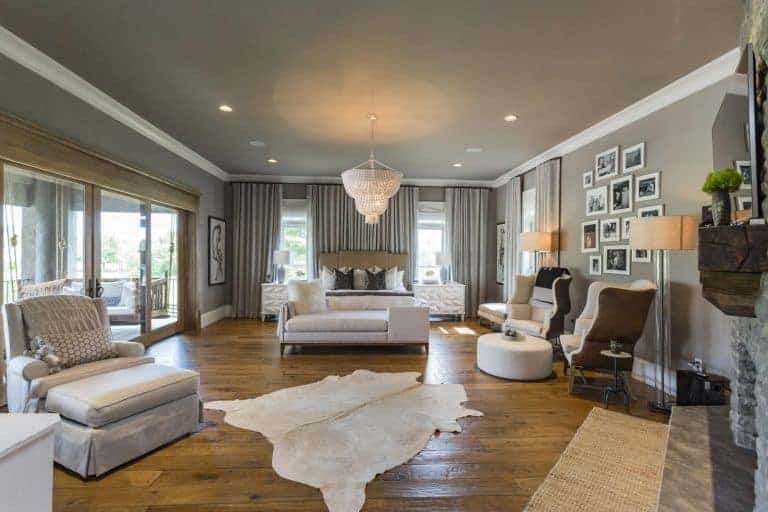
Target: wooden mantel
<point>731,262</point>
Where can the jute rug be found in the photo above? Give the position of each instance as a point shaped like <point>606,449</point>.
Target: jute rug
<point>339,433</point>
<point>613,463</point>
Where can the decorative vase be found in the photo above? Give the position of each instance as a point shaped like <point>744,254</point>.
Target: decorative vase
<point>721,208</point>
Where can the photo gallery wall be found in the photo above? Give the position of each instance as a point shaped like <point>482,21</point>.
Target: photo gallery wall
<point>617,190</point>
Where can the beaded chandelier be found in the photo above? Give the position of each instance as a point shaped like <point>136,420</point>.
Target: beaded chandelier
<point>371,184</point>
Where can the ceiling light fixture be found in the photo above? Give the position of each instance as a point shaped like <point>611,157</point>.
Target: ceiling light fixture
<point>371,183</point>
<point>510,118</point>
<point>257,143</point>
<point>474,150</point>
<point>225,108</point>
<point>272,161</point>
<point>458,164</point>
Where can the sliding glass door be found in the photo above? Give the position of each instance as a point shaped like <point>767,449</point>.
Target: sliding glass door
<point>164,249</point>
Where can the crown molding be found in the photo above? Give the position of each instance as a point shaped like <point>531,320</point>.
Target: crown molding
<point>36,61</point>
<point>416,182</point>
<point>701,78</point>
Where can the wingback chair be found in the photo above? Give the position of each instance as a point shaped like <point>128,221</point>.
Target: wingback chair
<point>540,303</point>
<point>113,410</point>
<point>612,312</point>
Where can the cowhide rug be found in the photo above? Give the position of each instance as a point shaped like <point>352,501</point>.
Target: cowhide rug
<point>339,433</point>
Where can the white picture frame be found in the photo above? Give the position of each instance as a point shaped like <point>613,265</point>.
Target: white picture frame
<point>633,158</point>
<point>656,210</point>
<point>610,230</point>
<point>626,224</point>
<point>590,236</point>
<point>607,164</point>
<point>588,179</point>
<point>647,187</point>
<point>596,201</point>
<point>595,265</point>
<point>620,195</point>
<point>616,260</point>
<point>744,202</point>
<point>641,256</point>
<point>744,167</point>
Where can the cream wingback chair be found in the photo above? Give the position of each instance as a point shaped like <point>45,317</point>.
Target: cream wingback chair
<point>113,410</point>
<point>612,312</point>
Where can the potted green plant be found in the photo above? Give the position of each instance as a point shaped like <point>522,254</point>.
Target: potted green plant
<point>720,184</point>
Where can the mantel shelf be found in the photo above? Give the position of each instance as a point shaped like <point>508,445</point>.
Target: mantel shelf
<point>731,262</point>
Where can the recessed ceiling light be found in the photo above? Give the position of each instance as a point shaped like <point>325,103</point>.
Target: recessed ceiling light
<point>458,164</point>
<point>510,118</point>
<point>225,108</point>
<point>272,161</point>
<point>474,150</point>
<point>257,143</point>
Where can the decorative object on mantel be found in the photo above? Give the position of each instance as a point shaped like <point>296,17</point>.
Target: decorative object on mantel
<point>663,234</point>
<point>721,184</point>
<point>280,259</point>
<point>322,433</point>
<point>371,184</point>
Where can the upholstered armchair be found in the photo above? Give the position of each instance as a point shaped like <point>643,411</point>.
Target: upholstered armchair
<point>612,312</point>
<point>113,410</point>
<point>540,303</point>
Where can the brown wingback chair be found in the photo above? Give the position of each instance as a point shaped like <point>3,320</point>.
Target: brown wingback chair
<point>620,314</point>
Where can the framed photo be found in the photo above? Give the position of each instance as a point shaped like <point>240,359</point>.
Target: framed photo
<point>500,247</point>
<point>589,237</point>
<point>621,195</point>
<point>641,256</point>
<point>597,201</point>
<point>647,187</point>
<point>595,265</point>
<point>651,211</point>
<point>744,202</point>
<point>744,167</point>
<point>616,259</point>
<point>626,225</point>
<point>609,230</point>
<point>587,179</point>
<point>633,158</point>
<point>607,164</point>
<point>217,251</point>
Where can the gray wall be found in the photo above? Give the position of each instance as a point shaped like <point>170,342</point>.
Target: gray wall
<point>30,97</point>
<point>679,144</point>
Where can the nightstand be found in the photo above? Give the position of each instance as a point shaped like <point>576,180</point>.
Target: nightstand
<point>273,296</point>
<point>442,299</point>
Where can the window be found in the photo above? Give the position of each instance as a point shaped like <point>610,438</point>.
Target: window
<point>293,237</point>
<point>430,220</point>
<point>528,259</point>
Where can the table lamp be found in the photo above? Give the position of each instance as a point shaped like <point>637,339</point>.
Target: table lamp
<point>537,242</point>
<point>281,258</point>
<point>661,235</point>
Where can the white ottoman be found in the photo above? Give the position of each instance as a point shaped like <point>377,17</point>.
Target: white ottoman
<point>530,359</point>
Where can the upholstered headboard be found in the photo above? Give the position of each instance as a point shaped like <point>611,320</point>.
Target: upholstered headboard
<point>365,259</point>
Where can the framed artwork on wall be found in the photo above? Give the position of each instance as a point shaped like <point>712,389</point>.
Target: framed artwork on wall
<point>641,256</point>
<point>597,201</point>
<point>500,247</point>
<point>609,230</point>
<point>607,164</point>
<point>647,187</point>
<point>616,259</point>
<point>633,158</point>
<point>621,195</point>
<point>744,167</point>
<point>651,211</point>
<point>626,224</point>
<point>217,251</point>
<point>595,265</point>
<point>587,179</point>
<point>589,237</point>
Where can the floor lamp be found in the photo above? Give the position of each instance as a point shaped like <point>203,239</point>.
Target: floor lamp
<point>663,234</point>
<point>537,242</point>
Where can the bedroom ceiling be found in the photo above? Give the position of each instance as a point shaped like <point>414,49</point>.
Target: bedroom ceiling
<point>301,76</point>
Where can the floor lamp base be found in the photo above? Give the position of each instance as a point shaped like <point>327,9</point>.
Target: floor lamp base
<point>660,407</point>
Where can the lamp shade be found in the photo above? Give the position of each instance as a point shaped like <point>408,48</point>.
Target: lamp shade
<point>532,241</point>
<point>442,258</point>
<point>281,257</point>
<point>670,232</point>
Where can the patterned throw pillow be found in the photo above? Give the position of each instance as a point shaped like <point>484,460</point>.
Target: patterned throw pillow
<point>342,280</point>
<point>375,280</point>
<point>74,348</point>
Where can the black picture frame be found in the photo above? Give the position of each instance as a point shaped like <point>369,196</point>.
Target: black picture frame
<point>500,248</point>
<point>217,227</point>
<point>755,132</point>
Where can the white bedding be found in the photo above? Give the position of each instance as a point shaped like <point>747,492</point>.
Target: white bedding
<point>369,301</point>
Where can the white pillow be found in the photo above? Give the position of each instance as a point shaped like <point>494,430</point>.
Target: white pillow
<point>327,278</point>
<point>390,279</point>
<point>128,297</point>
<point>307,296</point>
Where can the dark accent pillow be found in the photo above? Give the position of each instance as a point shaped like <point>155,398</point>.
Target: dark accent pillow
<point>546,276</point>
<point>342,280</point>
<point>375,280</point>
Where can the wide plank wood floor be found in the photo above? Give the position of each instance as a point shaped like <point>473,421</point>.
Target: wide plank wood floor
<point>495,464</point>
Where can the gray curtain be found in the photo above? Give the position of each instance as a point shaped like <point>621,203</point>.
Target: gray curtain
<point>255,234</point>
<point>513,219</point>
<point>335,225</point>
<point>548,206</point>
<point>466,225</point>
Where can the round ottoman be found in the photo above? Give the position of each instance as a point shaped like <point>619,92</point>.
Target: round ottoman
<point>530,359</point>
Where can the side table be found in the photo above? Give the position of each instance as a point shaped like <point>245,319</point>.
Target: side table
<point>618,387</point>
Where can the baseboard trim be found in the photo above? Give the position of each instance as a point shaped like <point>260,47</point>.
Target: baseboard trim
<point>214,315</point>
<point>645,371</point>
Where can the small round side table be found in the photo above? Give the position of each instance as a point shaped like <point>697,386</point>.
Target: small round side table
<point>618,387</point>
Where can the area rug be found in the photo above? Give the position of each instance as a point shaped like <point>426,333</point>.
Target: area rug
<point>339,433</point>
<point>614,462</point>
